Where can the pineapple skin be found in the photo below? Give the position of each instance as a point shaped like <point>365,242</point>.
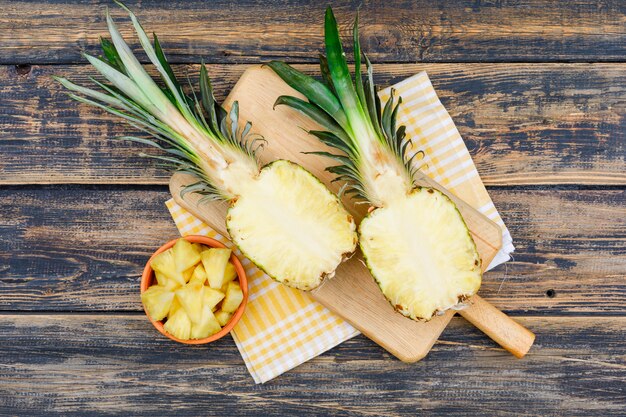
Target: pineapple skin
<point>406,310</point>
<point>291,281</point>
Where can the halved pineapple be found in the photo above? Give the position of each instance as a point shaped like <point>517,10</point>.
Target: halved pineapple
<point>289,225</point>
<point>416,244</point>
<point>223,317</point>
<point>207,326</point>
<point>215,261</point>
<point>234,297</point>
<point>157,300</point>
<point>179,325</point>
<point>185,255</point>
<point>421,254</point>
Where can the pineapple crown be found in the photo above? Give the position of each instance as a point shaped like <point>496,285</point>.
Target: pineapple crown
<point>194,134</point>
<point>351,113</point>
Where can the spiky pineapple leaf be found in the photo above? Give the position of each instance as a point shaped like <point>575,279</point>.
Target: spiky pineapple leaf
<point>164,112</point>
<point>366,117</point>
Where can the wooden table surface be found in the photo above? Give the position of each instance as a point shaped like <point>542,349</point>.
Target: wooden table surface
<point>538,91</point>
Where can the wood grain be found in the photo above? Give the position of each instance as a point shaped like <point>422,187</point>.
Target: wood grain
<point>82,248</point>
<point>523,123</point>
<point>399,31</point>
<point>110,364</point>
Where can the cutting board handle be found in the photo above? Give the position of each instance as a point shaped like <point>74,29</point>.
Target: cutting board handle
<point>501,328</point>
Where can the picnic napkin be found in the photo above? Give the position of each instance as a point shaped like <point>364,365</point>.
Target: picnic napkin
<point>283,327</point>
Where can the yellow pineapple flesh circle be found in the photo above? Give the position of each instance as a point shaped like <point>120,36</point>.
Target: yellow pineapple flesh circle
<point>421,254</point>
<point>292,226</point>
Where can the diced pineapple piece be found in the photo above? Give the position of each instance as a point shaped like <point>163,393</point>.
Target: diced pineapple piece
<point>234,297</point>
<point>179,325</point>
<point>223,317</point>
<point>185,255</point>
<point>199,247</point>
<point>207,326</point>
<point>199,276</point>
<point>191,298</point>
<point>174,307</point>
<point>188,273</point>
<point>157,300</point>
<point>212,297</point>
<point>166,282</point>
<point>163,264</point>
<point>215,261</point>
<point>230,273</point>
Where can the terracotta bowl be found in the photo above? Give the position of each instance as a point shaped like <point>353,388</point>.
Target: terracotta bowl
<point>147,278</point>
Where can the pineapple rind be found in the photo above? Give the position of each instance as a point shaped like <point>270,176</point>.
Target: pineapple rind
<point>307,249</point>
<point>421,254</point>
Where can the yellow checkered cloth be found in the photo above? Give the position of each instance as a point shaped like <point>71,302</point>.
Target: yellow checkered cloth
<point>282,327</point>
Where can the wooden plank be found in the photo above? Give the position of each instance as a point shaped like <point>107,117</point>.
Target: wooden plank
<point>82,248</point>
<point>76,364</point>
<point>523,124</point>
<point>44,31</point>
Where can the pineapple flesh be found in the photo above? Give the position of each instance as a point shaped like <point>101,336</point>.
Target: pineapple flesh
<point>215,261</point>
<point>283,219</point>
<point>291,226</point>
<point>421,253</point>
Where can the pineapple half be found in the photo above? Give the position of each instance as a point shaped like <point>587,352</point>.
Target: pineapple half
<point>414,240</point>
<point>281,217</point>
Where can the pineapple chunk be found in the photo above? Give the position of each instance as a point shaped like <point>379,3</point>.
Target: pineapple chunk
<point>188,273</point>
<point>199,247</point>
<point>207,326</point>
<point>229,275</point>
<point>211,297</point>
<point>215,261</point>
<point>190,298</point>
<point>163,264</point>
<point>157,300</point>
<point>185,255</point>
<point>166,282</point>
<point>234,297</point>
<point>174,307</point>
<point>199,276</point>
<point>179,325</point>
<point>223,317</point>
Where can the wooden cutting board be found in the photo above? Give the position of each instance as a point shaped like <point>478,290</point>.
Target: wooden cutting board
<point>352,293</point>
